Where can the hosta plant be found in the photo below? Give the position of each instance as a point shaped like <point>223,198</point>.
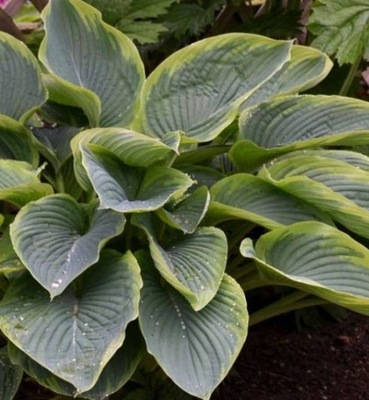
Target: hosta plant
<point>136,212</point>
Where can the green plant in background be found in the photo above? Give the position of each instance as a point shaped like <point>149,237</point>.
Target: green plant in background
<point>136,18</point>
<point>341,30</point>
<point>135,212</point>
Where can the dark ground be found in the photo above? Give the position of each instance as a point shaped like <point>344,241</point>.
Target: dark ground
<point>281,363</point>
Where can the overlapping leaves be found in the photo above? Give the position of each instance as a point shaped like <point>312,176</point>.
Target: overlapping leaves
<point>22,91</point>
<point>19,183</point>
<point>130,147</point>
<point>291,123</point>
<point>173,331</point>
<point>316,258</point>
<point>81,329</point>
<point>244,196</point>
<point>330,184</point>
<point>193,264</point>
<point>131,189</point>
<point>115,374</point>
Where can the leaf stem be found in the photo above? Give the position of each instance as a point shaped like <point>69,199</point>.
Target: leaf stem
<point>292,302</point>
<point>59,182</point>
<point>350,77</point>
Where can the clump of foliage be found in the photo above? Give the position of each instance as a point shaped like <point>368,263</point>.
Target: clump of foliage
<point>136,212</point>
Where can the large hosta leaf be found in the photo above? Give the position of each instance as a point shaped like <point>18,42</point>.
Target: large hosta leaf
<point>195,349</point>
<point>342,28</point>
<point>316,258</point>
<point>306,68</point>
<point>244,196</point>
<point>129,189</point>
<point>19,183</point>
<point>10,376</point>
<point>80,330</point>
<point>291,123</point>
<point>114,375</point>
<point>132,148</point>
<point>102,69</point>
<point>21,88</point>
<point>334,186</point>
<point>193,264</point>
<point>57,239</point>
<point>199,88</point>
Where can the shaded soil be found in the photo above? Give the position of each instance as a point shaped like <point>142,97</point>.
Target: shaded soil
<point>280,363</point>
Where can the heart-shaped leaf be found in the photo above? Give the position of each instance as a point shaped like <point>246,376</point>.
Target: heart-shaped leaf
<point>316,258</point>
<point>128,189</point>
<point>114,375</point>
<point>19,183</point>
<point>195,349</point>
<point>101,72</point>
<point>199,88</point>
<point>57,239</point>
<point>193,264</point>
<point>22,91</point>
<point>290,123</point>
<point>244,196</point>
<point>306,68</point>
<point>80,330</point>
<point>10,376</point>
